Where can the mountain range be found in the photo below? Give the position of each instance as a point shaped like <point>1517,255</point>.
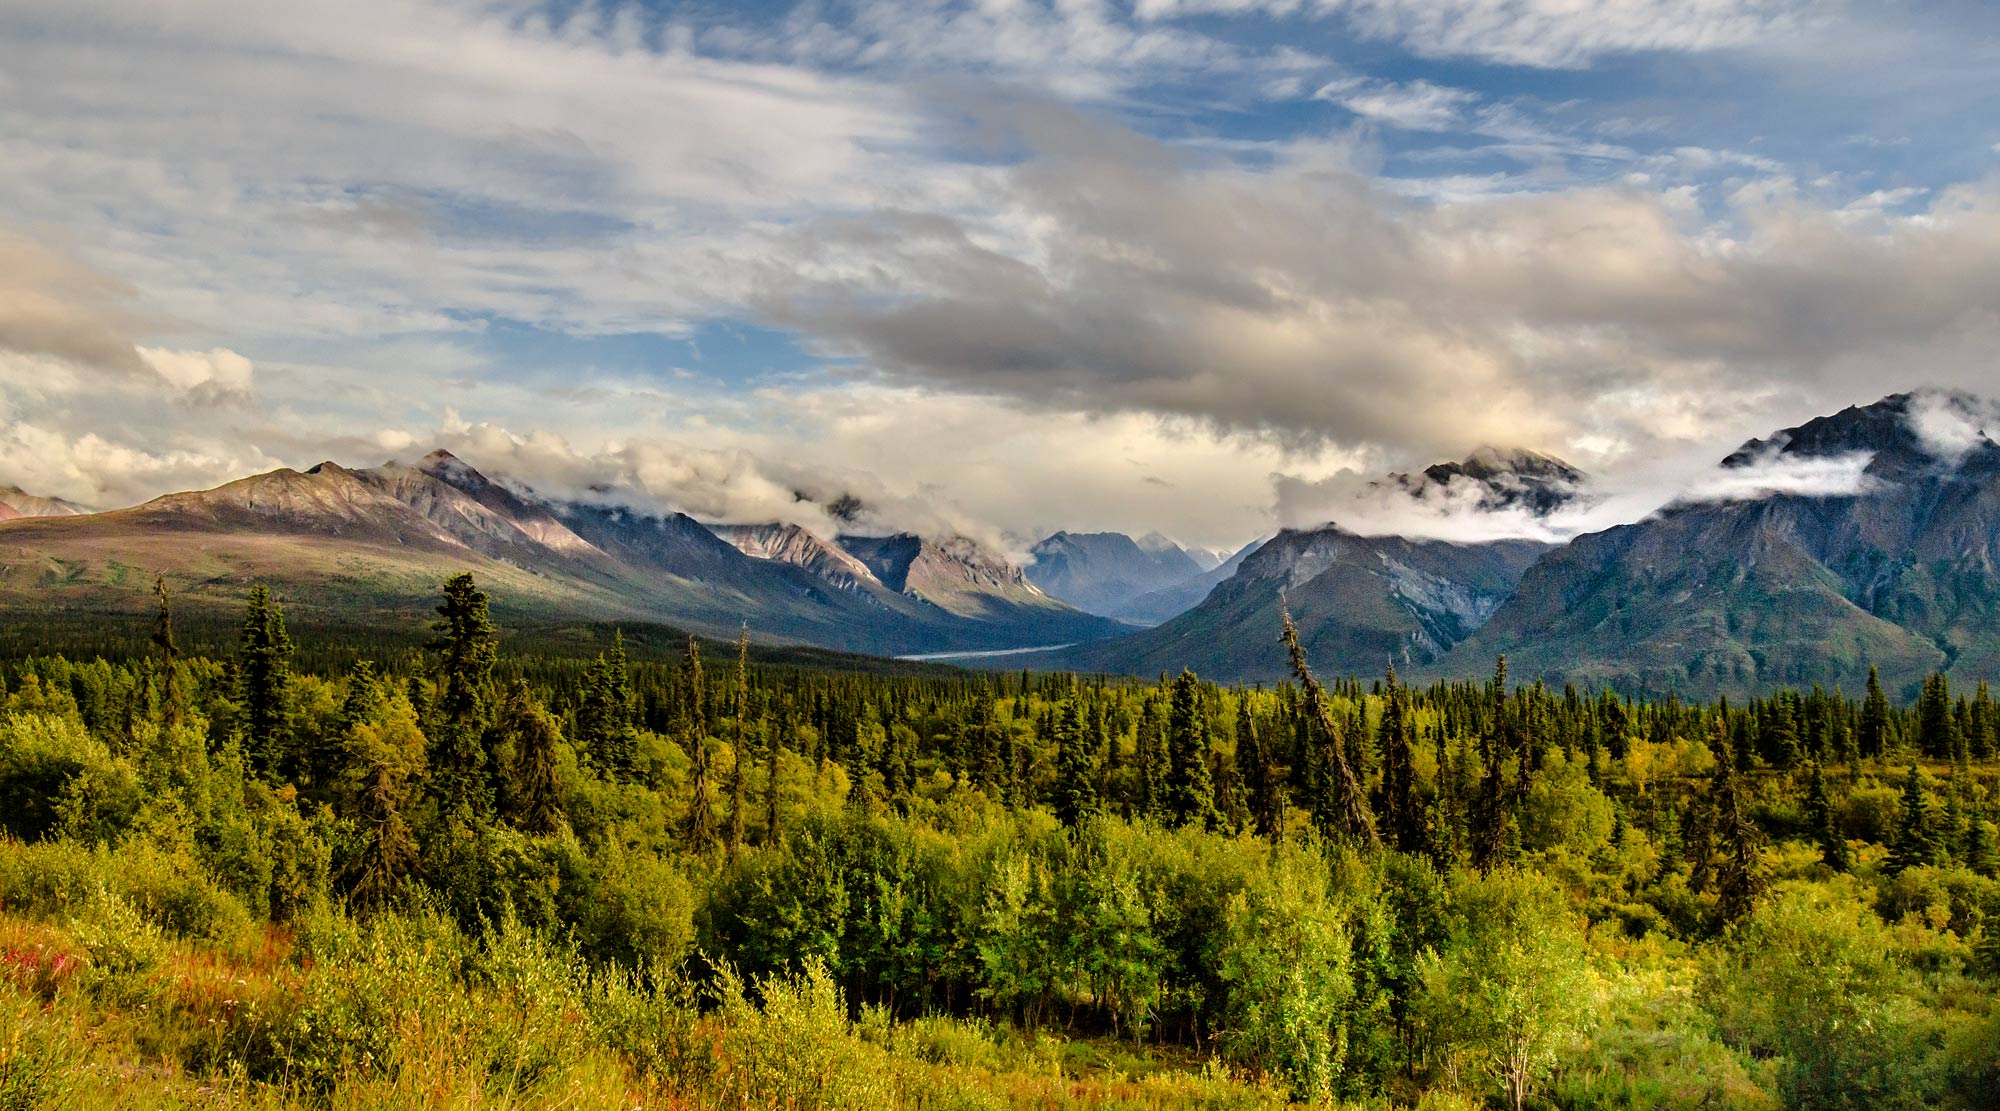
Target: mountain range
<point>370,546</point>
<point>1891,557</point>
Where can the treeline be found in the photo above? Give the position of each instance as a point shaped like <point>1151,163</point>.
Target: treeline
<point>1357,888</point>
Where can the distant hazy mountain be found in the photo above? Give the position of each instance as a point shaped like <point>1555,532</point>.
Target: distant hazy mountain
<point>14,502</point>
<point>1168,602</point>
<point>1787,587</point>
<point>349,546</point>
<point>1099,572</point>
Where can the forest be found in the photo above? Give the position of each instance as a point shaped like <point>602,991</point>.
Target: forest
<point>465,876</point>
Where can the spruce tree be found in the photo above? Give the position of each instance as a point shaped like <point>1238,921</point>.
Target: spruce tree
<point>263,686</point>
<point>466,645</point>
<point>1874,738</point>
<point>694,737</point>
<point>533,792</point>
<point>1190,787</point>
<point>173,708</point>
<point>774,743</point>
<point>1076,766</point>
<point>1340,806</point>
<point>604,721</point>
<point>1402,813</point>
<point>1819,820</point>
<point>1740,879</point>
<point>1258,774</point>
<point>1153,760</point>
<point>740,751</point>
<point>1916,839</point>
<point>1935,728</point>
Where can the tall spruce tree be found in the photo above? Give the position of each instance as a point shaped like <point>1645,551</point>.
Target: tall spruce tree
<point>1258,773</point>
<point>263,686</point>
<point>694,738</point>
<point>1739,879</point>
<point>604,720</point>
<point>533,791</point>
<point>1340,806</point>
<point>466,645</point>
<point>740,751</point>
<point>1153,761</point>
<point>1819,820</point>
<point>1936,729</point>
<point>173,706</point>
<point>1190,786</point>
<point>1076,766</point>
<point>1874,735</point>
<point>1402,813</point>
<point>1916,840</point>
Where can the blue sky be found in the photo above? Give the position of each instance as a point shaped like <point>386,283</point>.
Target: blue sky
<point>1000,266</point>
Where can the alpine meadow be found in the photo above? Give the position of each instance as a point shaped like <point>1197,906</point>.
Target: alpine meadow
<point>999,555</point>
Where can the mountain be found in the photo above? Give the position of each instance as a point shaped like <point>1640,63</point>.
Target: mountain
<point>370,547</point>
<point>1730,596</point>
<point>1168,602</point>
<point>1098,572</point>
<point>1505,478</point>
<point>1360,602</point>
<point>788,543</point>
<point>14,502</point>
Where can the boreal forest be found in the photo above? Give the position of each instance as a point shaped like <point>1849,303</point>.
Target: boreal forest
<point>283,873</point>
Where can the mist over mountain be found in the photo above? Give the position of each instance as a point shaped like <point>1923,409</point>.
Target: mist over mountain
<point>1801,575</point>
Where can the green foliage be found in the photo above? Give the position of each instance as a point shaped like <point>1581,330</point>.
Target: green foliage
<point>471,880</point>
<point>1513,987</point>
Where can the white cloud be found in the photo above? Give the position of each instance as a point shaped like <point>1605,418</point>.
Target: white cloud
<point>1950,424</point>
<point>1413,106</point>
<point>216,373</point>
<point>1815,476</point>
<point>1565,34</point>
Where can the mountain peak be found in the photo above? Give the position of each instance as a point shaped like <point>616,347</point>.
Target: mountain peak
<point>1906,434</point>
<point>1507,478</point>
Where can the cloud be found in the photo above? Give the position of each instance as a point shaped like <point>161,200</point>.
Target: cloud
<point>1564,34</point>
<point>215,374</point>
<point>1778,472</point>
<point>51,304</point>
<point>1949,424</point>
<point>1413,106</point>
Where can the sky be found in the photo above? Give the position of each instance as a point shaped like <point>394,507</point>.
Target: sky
<point>996,267</point>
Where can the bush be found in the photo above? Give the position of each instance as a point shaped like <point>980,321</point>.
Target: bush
<point>55,878</point>
<point>54,775</point>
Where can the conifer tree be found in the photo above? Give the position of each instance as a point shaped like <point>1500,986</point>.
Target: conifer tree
<point>1258,773</point>
<point>1935,728</point>
<point>1916,840</point>
<point>466,645</point>
<point>1402,814</point>
<point>1493,809</point>
<point>173,707</point>
<point>741,750</point>
<point>694,737</point>
<point>1190,787</point>
<point>774,743</point>
<point>1982,855</point>
<point>604,720</point>
<point>1874,738</point>
<point>1819,819</point>
<point>1340,806</point>
<point>1740,879</point>
<point>533,793</point>
<point>1076,766</point>
<point>1153,762</point>
<point>263,685</point>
